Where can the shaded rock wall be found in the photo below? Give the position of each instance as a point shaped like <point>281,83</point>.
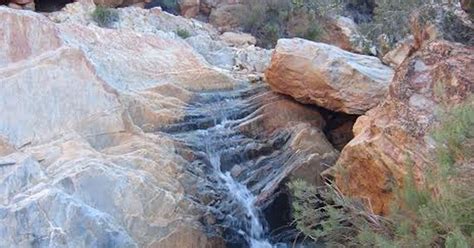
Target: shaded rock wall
<point>398,130</point>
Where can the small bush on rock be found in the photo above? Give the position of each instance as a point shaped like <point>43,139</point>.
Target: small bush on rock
<point>105,17</point>
<point>183,33</point>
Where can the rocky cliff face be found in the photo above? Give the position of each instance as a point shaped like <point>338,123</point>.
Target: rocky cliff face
<point>431,75</point>
<point>102,134</point>
<point>398,130</point>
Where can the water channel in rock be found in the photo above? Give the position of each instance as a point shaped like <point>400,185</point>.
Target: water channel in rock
<point>227,161</point>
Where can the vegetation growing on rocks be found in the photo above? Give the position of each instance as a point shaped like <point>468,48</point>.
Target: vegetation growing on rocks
<point>183,33</point>
<point>439,212</point>
<point>269,20</point>
<point>105,17</point>
<point>392,20</point>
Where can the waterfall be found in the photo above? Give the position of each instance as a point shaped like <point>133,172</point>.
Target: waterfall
<point>244,197</point>
<point>210,130</point>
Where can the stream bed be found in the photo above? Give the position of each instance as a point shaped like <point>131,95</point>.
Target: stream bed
<point>238,174</point>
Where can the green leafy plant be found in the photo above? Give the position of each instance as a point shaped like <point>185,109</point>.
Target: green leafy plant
<point>105,17</point>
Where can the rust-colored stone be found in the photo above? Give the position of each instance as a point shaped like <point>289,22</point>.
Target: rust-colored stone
<point>398,130</point>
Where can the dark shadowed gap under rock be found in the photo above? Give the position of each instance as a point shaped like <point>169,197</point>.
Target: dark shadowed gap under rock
<point>338,128</point>
<point>361,11</point>
<point>50,5</point>
<point>170,6</point>
<point>278,216</point>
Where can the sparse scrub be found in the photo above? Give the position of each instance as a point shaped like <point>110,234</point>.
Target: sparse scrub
<point>437,213</point>
<point>390,22</point>
<point>105,17</point>
<point>270,20</point>
<point>183,33</point>
<point>455,134</point>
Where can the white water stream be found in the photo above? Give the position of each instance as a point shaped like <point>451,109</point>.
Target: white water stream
<point>243,196</point>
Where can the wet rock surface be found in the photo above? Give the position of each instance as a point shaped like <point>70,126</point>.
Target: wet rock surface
<point>237,168</point>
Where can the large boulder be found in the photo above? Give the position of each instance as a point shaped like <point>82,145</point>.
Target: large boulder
<point>438,76</point>
<point>328,76</point>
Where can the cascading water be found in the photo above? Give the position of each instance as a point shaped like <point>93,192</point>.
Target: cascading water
<point>211,131</point>
<point>254,228</point>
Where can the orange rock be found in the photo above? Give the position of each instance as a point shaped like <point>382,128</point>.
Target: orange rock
<point>398,130</point>
<point>328,76</point>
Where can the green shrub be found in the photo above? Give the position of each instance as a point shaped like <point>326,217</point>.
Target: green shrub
<point>183,33</point>
<point>105,17</point>
<point>391,20</point>
<point>437,213</point>
<point>270,20</point>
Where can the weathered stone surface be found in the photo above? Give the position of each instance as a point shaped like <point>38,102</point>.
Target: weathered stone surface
<point>84,164</point>
<point>157,61</point>
<point>335,30</point>
<point>204,39</point>
<point>327,76</point>
<point>25,36</point>
<point>68,95</point>
<point>225,17</point>
<point>109,3</point>
<point>21,2</point>
<point>343,32</point>
<point>189,8</point>
<point>306,158</point>
<point>238,39</point>
<point>438,76</point>
<point>15,6</point>
<point>5,147</point>
<point>402,51</point>
<point>83,143</point>
<point>188,237</point>
<point>448,23</point>
<point>155,82</point>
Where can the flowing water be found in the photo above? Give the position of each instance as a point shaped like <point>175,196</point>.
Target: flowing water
<point>211,131</point>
